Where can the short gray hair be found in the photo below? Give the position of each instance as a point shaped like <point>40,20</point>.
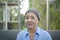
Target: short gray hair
<point>35,11</point>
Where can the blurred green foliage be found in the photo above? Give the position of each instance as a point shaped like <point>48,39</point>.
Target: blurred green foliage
<point>40,5</point>
<point>54,11</point>
<point>1,13</point>
<point>55,15</point>
<point>22,22</point>
<point>12,1</point>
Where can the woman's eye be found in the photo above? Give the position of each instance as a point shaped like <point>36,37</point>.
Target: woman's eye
<point>27,18</point>
<point>32,18</point>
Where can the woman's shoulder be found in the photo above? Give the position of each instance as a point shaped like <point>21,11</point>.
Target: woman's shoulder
<point>45,33</point>
<point>22,32</point>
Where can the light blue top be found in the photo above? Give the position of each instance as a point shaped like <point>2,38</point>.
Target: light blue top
<point>39,35</point>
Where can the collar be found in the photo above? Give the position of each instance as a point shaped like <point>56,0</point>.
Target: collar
<point>26,32</point>
<point>38,31</point>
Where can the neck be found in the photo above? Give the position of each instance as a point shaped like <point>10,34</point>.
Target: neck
<point>32,30</point>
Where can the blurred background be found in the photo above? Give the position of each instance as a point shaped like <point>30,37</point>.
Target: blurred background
<point>12,14</point>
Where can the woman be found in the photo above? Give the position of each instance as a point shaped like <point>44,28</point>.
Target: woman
<point>33,32</point>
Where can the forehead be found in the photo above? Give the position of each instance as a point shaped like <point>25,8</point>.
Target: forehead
<point>30,14</point>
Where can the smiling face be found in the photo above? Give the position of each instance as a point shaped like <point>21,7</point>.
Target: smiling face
<point>31,20</point>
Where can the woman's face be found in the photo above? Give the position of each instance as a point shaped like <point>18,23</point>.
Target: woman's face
<point>31,20</point>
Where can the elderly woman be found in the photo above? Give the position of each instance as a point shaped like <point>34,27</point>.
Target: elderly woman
<point>33,32</point>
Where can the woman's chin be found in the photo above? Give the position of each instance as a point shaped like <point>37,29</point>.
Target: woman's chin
<point>30,27</point>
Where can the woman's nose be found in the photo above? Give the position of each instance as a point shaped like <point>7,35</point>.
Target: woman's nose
<point>29,19</point>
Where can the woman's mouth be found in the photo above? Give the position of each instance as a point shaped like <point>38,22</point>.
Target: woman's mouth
<point>29,25</point>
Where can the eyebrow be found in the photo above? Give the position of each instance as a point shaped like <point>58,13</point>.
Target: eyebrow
<point>26,16</point>
<point>29,16</point>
